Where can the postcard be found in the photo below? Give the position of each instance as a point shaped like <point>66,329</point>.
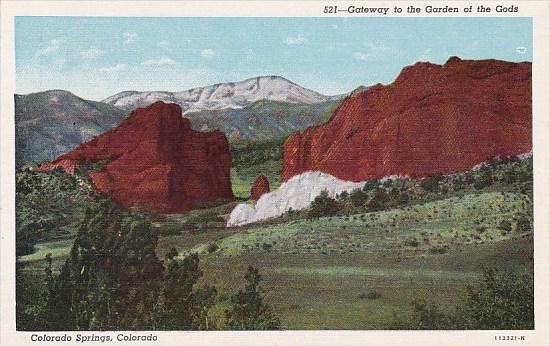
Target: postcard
<point>275,172</point>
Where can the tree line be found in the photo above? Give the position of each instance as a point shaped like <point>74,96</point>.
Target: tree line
<point>377,195</point>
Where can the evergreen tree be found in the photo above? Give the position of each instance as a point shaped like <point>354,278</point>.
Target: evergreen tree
<point>248,310</point>
<point>110,280</point>
<point>181,307</point>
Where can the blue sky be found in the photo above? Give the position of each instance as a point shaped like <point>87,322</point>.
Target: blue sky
<point>95,57</point>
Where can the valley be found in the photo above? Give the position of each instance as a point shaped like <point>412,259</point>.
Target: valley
<point>393,207</point>
<point>357,270</point>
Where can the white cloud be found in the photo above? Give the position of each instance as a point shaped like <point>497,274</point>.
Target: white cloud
<point>296,40</point>
<point>521,50</point>
<point>51,48</point>
<point>377,47</point>
<point>361,56</point>
<point>91,53</point>
<point>129,37</point>
<point>114,68</point>
<point>376,50</point>
<point>159,62</point>
<point>165,44</point>
<point>208,53</point>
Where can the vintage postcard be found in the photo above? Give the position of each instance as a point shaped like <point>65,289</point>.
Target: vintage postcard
<point>285,172</point>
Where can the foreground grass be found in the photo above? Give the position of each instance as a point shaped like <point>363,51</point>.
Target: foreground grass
<point>313,291</point>
<point>321,273</point>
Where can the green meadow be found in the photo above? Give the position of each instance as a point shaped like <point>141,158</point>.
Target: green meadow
<point>355,269</point>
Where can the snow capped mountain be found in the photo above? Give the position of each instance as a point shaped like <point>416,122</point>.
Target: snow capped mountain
<point>297,193</point>
<point>235,95</point>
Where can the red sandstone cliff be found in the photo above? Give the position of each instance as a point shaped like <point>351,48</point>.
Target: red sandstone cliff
<point>260,186</point>
<point>432,119</point>
<point>155,160</point>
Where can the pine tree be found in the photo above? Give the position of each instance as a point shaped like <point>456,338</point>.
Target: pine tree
<point>248,310</point>
<point>181,307</point>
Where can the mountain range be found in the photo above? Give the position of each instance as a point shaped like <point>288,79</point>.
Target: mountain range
<point>54,122</point>
<point>233,95</point>
<point>432,120</point>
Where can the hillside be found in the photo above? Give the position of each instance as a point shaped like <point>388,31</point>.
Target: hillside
<point>51,123</point>
<point>263,120</point>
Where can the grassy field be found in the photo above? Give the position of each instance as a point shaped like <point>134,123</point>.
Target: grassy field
<point>319,273</point>
<point>313,291</point>
<point>59,249</point>
<point>471,219</point>
<point>358,271</point>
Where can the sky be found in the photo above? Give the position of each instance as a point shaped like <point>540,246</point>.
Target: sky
<point>96,57</point>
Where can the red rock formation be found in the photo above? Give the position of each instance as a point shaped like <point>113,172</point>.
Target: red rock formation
<point>431,120</point>
<point>261,186</point>
<point>155,160</point>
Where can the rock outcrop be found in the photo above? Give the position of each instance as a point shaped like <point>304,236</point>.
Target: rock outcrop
<point>260,186</point>
<point>433,119</point>
<point>295,194</point>
<point>154,160</point>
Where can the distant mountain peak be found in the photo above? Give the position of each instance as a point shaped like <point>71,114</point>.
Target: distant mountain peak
<point>230,95</point>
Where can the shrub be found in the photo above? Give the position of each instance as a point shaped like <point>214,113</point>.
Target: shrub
<point>403,198</point>
<point>484,180</point>
<point>502,300</point>
<point>371,295</point>
<point>481,229</point>
<point>424,316</point>
<point>212,247</point>
<point>505,226</point>
<point>523,225</point>
<point>171,254</point>
<point>323,205</point>
<point>358,198</point>
<point>343,196</point>
<point>413,242</point>
<point>431,184</point>
<point>379,200</point>
<point>370,185</point>
<point>440,250</point>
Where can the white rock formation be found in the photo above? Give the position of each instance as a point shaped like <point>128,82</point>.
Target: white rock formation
<point>297,193</point>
